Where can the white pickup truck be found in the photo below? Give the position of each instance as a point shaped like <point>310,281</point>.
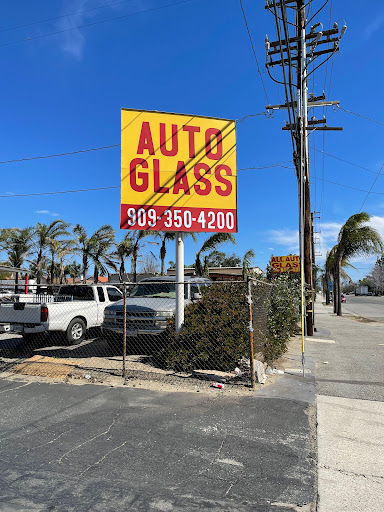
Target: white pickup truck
<point>71,312</point>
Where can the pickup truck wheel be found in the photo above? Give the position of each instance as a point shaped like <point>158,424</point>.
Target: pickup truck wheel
<point>76,331</point>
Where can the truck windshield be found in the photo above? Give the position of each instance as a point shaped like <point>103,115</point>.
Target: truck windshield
<point>161,290</point>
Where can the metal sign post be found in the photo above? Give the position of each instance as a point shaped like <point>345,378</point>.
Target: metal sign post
<point>179,281</point>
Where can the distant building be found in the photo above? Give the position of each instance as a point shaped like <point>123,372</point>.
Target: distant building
<point>221,273</point>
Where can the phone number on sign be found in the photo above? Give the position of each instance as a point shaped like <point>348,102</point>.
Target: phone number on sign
<point>184,219</point>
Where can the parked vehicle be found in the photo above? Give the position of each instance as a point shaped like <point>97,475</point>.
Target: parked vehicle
<point>71,312</point>
<point>361,290</point>
<point>150,306</point>
<point>343,299</point>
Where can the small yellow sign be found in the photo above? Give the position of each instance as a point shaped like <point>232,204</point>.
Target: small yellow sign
<point>289,264</point>
<point>178,172</point>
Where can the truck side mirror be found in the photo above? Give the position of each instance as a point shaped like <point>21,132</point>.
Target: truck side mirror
<point>196,296</point>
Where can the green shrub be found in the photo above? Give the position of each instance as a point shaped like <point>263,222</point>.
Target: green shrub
<point>215,334</point>
<point>283,315</point>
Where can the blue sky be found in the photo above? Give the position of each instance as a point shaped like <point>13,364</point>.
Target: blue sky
<point>64,93</point>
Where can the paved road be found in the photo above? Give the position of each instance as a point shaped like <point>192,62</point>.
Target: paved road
<point>366,307</point>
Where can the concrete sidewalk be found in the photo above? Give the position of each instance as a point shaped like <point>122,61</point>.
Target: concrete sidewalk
<point>349,362</point>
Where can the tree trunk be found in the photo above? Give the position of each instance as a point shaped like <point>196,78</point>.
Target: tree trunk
<point>38,267</point>
<point>16,282</point>
<point>338,298</point>
<point>327,297</point>
<point>334,291</point>
<point>96,275</point>
<point>85,269</point>
<point>163,252</point>
<point>52,267</point>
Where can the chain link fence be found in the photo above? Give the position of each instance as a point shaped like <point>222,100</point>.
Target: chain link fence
<point>126,332</point>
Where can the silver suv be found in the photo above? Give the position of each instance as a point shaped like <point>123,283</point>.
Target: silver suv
<point>150,305</point>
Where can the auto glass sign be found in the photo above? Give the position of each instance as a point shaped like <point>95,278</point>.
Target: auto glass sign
<point>289,264</point>
<point>178,172</point>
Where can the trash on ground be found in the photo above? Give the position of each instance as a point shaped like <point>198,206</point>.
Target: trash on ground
<point>218,385</point>
<point>87,376</point>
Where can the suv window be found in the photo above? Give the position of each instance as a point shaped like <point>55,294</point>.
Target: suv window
<point>114,295</point>
<point>194,289</point>
<point>100,293</point>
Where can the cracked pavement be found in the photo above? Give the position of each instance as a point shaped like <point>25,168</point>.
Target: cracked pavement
<point>93,448</point>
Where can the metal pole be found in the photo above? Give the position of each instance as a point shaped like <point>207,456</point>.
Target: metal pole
<point>250,328</point>
<point>179,281</point>
<point>301,102</point>
<point>124,332</point>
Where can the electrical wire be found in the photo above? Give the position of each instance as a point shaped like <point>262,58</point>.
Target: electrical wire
<point>359,115</point>
<point>324,61</point>
<point>65,15</point>
<point>290,101</point>
<point>346,161</point>
<point>317,12</point>
<point>370,190</point>
<point>31,194</point>
<point>58,154</point>
<point>253,49</point>
<point>59,192</point>
<point>97,22</point>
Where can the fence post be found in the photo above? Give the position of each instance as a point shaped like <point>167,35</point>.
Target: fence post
<point>124,332</point>
<point>250,328</point>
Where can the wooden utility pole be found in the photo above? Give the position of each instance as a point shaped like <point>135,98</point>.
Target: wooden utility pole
<point>300,51</point>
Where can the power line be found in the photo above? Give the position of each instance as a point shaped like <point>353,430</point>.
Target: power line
<point>360,115</point>
<point>31,194</point>
<point>345,161</point>
<point>64,16</point>
<point>370,190</point>
<point>59,192</point>
<point>253,49</point>
<point>317,12</point>
<point>58,154</point>
<point>96,23</point>
<point>266,114</point>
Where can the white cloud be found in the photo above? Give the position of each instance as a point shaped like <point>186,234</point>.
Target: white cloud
<point>374,26</point>
<point>271,249</point>
<point>287,238</point>
<point>47,212</point>
<point>73,41</point>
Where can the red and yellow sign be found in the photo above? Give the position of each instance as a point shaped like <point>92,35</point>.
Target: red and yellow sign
<point>178,172</point>
<point>289,264</point>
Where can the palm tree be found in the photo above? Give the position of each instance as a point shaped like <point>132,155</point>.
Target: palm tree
<point>329,272</point>
<point>63,249</point>
<point>355,239</point>
<point>73,269</point>
<point>210,244</point>
<point>88,247</point>
<point>17,243</point>
<point>166,236</point>
<point>138,243</point>
<point>102,259</point>
<point>247,262</point>
<point>44,234</point>
<point>122,252</point>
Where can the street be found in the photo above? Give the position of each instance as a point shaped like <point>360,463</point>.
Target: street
<point>365,306</point>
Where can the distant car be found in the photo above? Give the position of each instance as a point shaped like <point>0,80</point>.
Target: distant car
<point>343,299</point>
